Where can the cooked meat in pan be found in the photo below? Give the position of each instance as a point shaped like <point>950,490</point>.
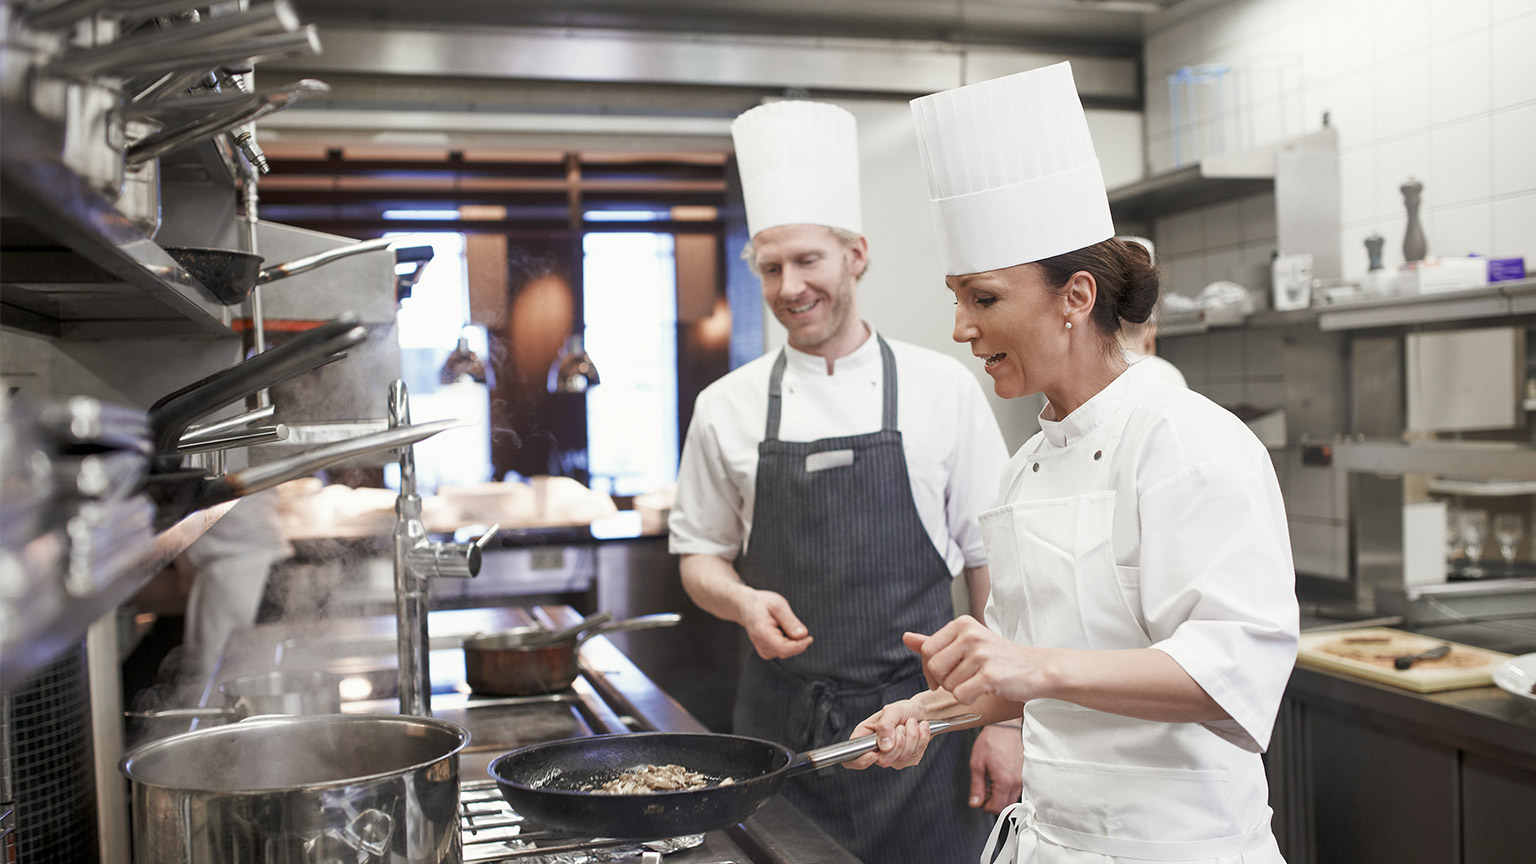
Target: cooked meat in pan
<point>656,778</point>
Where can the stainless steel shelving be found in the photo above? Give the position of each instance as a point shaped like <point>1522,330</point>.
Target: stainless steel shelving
<point>71,265</point>
<point>1490,460</point>
<point>1496,300</point>
<point>1214,179</point>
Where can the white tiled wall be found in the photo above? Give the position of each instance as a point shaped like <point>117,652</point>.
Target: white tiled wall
<point>1440,90</point>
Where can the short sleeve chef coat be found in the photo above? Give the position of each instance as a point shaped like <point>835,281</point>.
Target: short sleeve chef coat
<point>1200,540</point>
<point>954,451</point>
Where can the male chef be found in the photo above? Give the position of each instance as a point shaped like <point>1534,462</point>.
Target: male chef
<point>827,496</point>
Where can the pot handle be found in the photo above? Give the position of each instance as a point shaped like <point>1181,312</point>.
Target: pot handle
<point>642,622</point>
<point>180,712</point>
<point>853,748</point>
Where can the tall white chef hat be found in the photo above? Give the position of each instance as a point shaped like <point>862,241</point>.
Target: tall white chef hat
<point>1012,176</point>
<point>799,164</point>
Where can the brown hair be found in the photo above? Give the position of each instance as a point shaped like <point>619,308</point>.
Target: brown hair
<point>1128,283</point>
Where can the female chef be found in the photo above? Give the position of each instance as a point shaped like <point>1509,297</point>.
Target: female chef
<point>1143,609</point>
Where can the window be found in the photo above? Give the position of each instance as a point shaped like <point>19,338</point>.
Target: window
<point>630,301</point>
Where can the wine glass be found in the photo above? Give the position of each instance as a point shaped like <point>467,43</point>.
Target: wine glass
<point>1473,525</point>
<point>1508,528</point>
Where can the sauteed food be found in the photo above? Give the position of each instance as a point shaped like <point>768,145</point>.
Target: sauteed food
<point>656,778</point>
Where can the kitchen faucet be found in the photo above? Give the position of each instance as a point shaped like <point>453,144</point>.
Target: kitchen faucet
<point>417,560</point>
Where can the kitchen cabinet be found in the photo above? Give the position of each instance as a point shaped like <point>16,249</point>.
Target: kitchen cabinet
<point>1363,773</point>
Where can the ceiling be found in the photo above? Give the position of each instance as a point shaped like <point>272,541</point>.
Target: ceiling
<point>1110,26</point>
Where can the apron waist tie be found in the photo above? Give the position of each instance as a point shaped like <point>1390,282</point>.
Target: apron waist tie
<point>1017,819</point>
<point>1020,823</point>
<point>815,717</point>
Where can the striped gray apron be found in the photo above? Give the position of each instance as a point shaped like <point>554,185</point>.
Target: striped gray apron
<point>837,533</point>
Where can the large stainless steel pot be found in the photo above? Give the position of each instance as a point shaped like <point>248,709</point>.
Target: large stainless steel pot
<point>359,789</point>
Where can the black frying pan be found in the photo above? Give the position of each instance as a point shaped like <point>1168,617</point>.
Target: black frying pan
<point>229,275</point>
<point>544,782</point>
<point>170,416</point>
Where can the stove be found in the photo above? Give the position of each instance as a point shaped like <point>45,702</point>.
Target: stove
<point>611,696</point>
<point>494,833</point>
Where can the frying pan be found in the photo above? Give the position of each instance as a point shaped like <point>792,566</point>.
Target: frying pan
<point>230,275</point>
<point>525,661</point>
<point>178,494</point>
<point>544,782</point>
<point>170,416</point>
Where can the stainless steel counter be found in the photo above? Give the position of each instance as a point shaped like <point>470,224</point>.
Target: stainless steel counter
<point>611,696</point>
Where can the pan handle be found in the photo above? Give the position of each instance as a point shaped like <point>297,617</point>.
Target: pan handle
<point>642,622</point>
<point>301,265</point>
<point>853,748</point>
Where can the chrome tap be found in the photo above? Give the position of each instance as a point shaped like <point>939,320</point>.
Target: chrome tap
<point>417,560</point>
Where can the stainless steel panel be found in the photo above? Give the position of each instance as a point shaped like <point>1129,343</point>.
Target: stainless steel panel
<point>1376,533</point>
<point>1465,379</point>
<point>1376,387</point>
<point>845,64</point>
<point>1307,200</point>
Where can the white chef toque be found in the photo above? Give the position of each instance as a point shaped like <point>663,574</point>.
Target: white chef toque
<point>799,164</point>
<point>1012,175</point>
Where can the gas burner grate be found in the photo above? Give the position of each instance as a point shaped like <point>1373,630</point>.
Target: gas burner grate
<point>494,833</point>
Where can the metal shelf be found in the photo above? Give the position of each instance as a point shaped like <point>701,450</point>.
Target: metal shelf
<point>1461,459</point>
<point>1212,180</point>
<point>1205,320</point>
<point>1496,300</point>
<point>73,266</point>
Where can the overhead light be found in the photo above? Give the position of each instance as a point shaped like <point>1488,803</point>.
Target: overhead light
<point>573,371</point>
<point>422,215</point>
<point>622,216</point>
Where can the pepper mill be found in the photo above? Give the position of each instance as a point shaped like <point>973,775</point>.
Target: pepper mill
<point>1373,246</point>
<point>1414,245</point>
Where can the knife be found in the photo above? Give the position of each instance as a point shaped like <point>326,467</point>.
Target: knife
<point>1408,660</point>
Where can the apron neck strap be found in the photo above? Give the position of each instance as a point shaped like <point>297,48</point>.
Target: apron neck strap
<point>888,388</point>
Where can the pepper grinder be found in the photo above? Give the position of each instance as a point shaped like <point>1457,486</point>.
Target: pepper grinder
<point>1414,245</point>
<point>1373,246</point>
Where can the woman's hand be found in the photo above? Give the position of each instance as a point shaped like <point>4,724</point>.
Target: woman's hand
<point>971,662</point>
<point>901,736</point>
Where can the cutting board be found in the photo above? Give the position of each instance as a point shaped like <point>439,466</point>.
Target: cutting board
<point>1368,653</point>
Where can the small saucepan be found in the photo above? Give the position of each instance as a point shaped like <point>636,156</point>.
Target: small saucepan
<point>294,693</point>
<point>555,784</point>
<point>524,661</point>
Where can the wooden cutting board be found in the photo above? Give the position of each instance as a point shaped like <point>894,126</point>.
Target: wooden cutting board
<point>1368,653</point>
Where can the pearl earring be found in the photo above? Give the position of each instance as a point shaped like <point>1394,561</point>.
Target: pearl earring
<point>1069,325</point>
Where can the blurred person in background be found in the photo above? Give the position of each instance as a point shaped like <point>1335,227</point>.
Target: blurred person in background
<point>1139,339</point>
<point>228,566</point>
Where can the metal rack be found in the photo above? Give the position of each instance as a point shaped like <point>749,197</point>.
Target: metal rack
<point>76,268</point>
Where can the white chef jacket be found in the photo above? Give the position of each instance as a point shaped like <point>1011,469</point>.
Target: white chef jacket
<point>954,450</point>
<point>1148,517</point>
<point>1199,538</point>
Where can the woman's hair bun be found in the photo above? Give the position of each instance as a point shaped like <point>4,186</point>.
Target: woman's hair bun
<point>1138,295</point>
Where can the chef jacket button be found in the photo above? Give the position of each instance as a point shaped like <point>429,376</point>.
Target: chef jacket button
<point>1037,466</point>
<point>1097,455</point>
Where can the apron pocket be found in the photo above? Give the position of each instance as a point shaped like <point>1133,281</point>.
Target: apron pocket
<point>1130,802</point>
